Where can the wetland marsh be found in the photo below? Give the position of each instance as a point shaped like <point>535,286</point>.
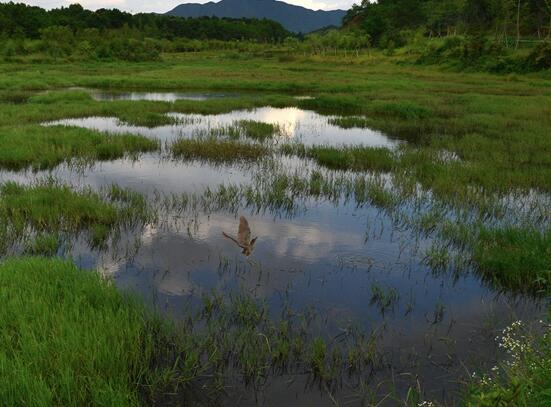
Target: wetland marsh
<point>398,231</point>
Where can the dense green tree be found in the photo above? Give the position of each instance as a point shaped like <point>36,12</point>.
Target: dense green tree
<point>27,21</point>
<point>508,20</point>
<point>57,41</point>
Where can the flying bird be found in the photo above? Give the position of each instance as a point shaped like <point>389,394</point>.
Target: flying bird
<point>243,239</point>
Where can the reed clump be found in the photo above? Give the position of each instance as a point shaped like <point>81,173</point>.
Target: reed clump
<point>217,150</point>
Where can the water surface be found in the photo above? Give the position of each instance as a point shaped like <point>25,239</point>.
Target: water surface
<point>110,95</point>
<point>297,125</point>
<point>328,255</point>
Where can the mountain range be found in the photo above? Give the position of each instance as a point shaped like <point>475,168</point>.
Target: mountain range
<point>293,18</point>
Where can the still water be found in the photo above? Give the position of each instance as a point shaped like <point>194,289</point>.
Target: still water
<point>297,125</point>
<point>326,256</point>
<point>104,95</point>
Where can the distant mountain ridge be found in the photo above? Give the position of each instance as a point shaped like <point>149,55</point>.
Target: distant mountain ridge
<point>293,18</point>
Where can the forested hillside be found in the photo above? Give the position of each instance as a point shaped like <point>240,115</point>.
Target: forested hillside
<point>500,36</point>
<point>488,35</point>
<point>508,20</point>
<point>20,20</point>
<point>76,33</point>
<point>292,17</point>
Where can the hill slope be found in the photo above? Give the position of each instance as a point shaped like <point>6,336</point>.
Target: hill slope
<point>293,18</point>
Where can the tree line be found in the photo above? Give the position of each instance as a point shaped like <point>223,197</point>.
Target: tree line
<point>509,21</point>
<point>76,33</point>
<point>19,20</point>
<point>469,34</point>
<point>473,34</point>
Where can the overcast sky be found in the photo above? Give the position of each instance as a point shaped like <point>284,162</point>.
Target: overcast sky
<point>159,6</point>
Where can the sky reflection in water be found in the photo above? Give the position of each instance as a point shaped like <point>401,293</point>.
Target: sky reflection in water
<point>327,256</point>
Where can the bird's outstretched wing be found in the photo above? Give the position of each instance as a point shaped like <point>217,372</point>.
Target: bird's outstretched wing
<point>243,237</point>
<point>232,239</point>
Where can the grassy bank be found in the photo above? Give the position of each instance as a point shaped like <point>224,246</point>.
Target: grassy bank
<point>69,338</point>
<point>45,147</point>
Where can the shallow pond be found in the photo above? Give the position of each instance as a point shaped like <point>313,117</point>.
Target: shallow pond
<point>297,125</point>
<point>105,95</point>
<point>328,255</point>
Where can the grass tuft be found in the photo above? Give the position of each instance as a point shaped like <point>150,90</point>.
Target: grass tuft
<point>148,119</point>
<point>514,257</point>
<point>401,110</point>
<point>46,244</point>
<point>350,122</point>
<point>218,151</point>
<point>257,130</point>
<point>49,209</point>
<point>346,158</point>
<point>45,147</point>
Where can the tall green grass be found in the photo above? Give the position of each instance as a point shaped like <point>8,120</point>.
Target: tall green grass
<point>515,257</point>
<point>50,205</point>
<point>353,158</point>
<point>45,244</point>
<point>350,122</point>
<point>45,147</point>
<point>216,150</point>
<point>257,130</point>
<point>346,158</point>
<point>148,119</point>
<point>68,337</point>
<point>49,209</point>
<point>241,129</point>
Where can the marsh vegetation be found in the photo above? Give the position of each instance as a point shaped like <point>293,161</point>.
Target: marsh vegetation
<point>400,227</point>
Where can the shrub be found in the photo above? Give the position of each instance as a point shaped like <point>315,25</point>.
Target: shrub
<point>525,378</point>
<point>57,41</point>
<point>477,52</point>
<point>540,57</point>
<point>130,50</point>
